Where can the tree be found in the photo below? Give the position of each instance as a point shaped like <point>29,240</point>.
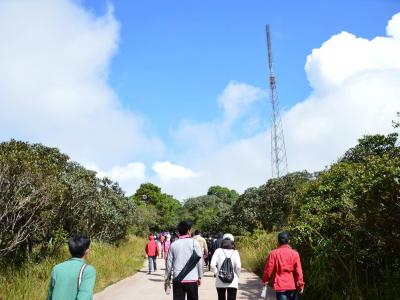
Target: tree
<point>372,145</point>
<point>44,198</point>
<point>150,196</point>
<point>223,193</point>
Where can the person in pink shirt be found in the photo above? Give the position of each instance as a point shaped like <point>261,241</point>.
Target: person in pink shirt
<point>166,245</point>
<point>284,266</point>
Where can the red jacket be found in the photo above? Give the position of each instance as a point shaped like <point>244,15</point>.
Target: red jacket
<point>284,264</point>
<point>151,247</point>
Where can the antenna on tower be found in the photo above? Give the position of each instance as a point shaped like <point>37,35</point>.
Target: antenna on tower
<point>278,150</point>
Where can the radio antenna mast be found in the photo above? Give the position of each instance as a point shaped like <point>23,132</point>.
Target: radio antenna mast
<point>278,150</point>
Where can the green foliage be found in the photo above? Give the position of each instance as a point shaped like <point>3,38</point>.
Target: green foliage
<point>44,198</point>
<point>212,212</point>
<point>269,206</point>
<point>159,210</point>
<point>372,145</point>
<point>228,196</point>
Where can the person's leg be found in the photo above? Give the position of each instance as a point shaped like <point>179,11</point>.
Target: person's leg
<point>178,291</point>
<point>155,262</point>
<point>221,293</point>
<point>192,291</point>
<point>292,295</point>
<point>281,296</point>
<point>150,259</point>
<point>231,293</point>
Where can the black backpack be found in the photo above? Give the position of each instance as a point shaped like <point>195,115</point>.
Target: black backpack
<point>226,272</point>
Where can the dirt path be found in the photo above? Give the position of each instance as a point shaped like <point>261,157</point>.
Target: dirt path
<point>150,287</point>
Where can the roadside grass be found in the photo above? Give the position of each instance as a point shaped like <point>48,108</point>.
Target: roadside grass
<point>112,263</point>
<point>254,250</point>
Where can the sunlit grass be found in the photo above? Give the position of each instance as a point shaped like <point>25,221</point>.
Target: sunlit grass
<point>112,263</point>
<point>254,250</point>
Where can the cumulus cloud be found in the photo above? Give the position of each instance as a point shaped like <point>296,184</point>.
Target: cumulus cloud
<point>236,99</point>
<point>168,171</point>
<point>54,62</point>
<point>236,103</point>
<point>356,91</point>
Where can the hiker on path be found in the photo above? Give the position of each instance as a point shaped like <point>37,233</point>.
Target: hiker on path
<point>226,288</point>
<point>166,246</point>
<point>73,279</point>
<point>210,246</point>
<point>152,253</point>
<point>203,245</point>
<point>184,262</point>
<point>284,263</point>
<point>218,241</point>
<point>162,241</point>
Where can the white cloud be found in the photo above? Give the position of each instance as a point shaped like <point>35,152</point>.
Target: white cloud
<point>236,99</point>
<point>54,62</point>
<point>393,27</point>
<point>168,171</point>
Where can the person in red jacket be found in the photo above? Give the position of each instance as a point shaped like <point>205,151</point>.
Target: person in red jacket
<point>152,253</point>
<point>284,266</point>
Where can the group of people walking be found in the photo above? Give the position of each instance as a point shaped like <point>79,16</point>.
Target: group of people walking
<point>185,259</point>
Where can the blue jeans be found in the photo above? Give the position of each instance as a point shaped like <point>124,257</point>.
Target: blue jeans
<point>287,295</point>
<point>152,263</point>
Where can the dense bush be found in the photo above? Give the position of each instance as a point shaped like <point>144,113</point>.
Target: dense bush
<point>347,225</point>
<point>44,197</point>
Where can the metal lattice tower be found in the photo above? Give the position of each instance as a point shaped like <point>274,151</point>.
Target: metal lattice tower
<point>278,150</point>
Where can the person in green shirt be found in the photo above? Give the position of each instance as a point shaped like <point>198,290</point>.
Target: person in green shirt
<point>73,279</point>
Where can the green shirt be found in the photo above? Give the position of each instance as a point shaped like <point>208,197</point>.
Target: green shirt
<point>64,281</point>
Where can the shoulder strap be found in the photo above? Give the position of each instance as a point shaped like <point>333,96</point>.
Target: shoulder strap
<point>231,254</point>
<point>83,267</point>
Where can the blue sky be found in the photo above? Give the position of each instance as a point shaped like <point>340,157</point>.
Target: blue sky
<point>185,102</point>
<point>175,57</point>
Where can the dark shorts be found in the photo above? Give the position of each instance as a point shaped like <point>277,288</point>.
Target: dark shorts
<point>189,289</point>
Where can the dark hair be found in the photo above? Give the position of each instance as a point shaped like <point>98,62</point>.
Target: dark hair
<point>78,244</point>
<point>184,227</point>
<point>228,244</point>
<point>197,232</point>
<point>283,238</point>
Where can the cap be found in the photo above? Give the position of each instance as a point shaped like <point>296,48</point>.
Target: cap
<point>228,236</point>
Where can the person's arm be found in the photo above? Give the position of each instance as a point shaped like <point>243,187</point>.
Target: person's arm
<point>199,266</point>
<point>238,264</point>
<point>170,260</point>
<point>51,286</point>
<point>87,285</point>
<point>298,273</point>
<point>269,268</point>
<point>146,248</point>
<point>205,247</point>
<point>214,262</point>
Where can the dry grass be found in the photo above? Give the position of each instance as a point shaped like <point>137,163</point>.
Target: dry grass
<point>112,263</point>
